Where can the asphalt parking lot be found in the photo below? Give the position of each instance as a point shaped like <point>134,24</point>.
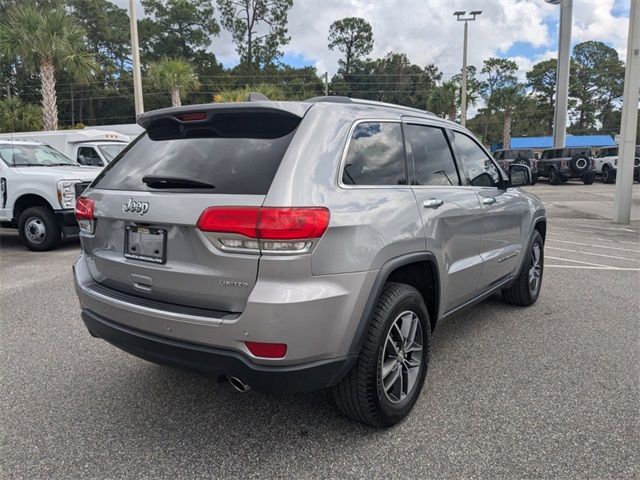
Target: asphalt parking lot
<point>548,391</point>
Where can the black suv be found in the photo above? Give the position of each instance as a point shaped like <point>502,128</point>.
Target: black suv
<point>522,156</point>
<point>561,164</point>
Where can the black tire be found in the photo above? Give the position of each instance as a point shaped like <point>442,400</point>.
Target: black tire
<point>38,229</point>
<point>588,178</point>
<point>360,395</point>
<point>534,178</point>
<point>520,292</point>
<point>608,175</point>
<point>554,177</point>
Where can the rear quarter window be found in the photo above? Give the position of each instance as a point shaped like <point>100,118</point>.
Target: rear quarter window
<point>375,155</point>
<point>241,158</point>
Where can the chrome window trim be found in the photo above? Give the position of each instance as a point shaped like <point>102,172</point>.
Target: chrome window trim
<point>346,150</point>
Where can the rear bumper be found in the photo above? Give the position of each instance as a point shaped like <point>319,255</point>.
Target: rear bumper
<point>568,173</point>
<point>317,317</point>
<point>216,361</point>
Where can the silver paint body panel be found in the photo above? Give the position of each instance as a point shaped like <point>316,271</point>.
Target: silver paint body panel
<point>312,302</point>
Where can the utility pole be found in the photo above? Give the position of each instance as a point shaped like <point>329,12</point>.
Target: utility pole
<point>73,118</point>
<point>135,53</point>
<point>326,84</point>
<point>562,75</point>
<point>463,89</point>
<point>626,154</point>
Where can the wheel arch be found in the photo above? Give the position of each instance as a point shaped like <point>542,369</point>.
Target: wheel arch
<point>420,270</point>
<point>29,200</point>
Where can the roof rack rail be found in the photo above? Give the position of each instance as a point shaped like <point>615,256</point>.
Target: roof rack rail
<point>256,97</point>
<point>360,101</point>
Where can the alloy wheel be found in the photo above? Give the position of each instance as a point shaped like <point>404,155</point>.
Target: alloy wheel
<point>401,359</point>
<point>535,271</point>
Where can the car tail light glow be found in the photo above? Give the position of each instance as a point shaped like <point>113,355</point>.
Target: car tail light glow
<point>267,350</point>
<point>267,229</point>
<point>191,117</point>
<point>84,212</point>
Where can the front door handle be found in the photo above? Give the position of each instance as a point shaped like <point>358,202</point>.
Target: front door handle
<point>488,201</point>
<point>432,203</point>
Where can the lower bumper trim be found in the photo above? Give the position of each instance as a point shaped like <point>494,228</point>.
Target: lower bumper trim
<point>209,360</point>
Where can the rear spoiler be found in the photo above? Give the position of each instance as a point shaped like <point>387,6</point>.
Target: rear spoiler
<point>205,112</point>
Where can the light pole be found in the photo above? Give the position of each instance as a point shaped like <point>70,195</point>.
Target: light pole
<point>624,177</point>
<point>135,54</point>
<point>562,75</point>
<point>460,15</point>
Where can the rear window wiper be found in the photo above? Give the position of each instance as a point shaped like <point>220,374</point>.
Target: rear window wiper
<point>156,181</point>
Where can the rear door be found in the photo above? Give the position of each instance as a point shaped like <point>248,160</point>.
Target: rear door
<point>451,213</point>
<point>503,211</point>
<point>148,202</point>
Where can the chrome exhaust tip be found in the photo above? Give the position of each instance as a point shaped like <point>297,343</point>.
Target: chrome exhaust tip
<point>239,385</point>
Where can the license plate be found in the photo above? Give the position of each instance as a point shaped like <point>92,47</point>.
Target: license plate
<point>145,244</point>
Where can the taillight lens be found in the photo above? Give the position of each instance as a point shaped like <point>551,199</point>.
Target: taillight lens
<point>267,350</point>
<point>273,229</point>
<point>84,212</point>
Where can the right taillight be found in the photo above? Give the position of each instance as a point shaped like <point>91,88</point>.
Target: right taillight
<point>265,229</point>
<point>84,212</point>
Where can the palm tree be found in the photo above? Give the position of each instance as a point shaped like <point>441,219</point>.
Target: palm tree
<point>44,40</point>
<point>506,99</point>
<point>176,76</point>
<point>272,92</point>
<point>443,100</point>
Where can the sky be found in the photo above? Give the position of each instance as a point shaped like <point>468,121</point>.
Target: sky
<point>427,32</point>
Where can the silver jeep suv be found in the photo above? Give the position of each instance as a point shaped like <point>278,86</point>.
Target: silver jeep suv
<point>292,246</point>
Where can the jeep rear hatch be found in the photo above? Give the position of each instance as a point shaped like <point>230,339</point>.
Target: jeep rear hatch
<point>147,203</point>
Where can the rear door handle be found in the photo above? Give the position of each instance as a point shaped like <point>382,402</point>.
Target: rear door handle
<point>488,201</point>
<point>432,203</point>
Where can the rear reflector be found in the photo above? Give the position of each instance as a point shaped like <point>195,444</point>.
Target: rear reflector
<point>267,350</point>
<point>266,223</point>
<point>84,208</point>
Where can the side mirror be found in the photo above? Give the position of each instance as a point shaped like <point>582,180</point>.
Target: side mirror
<point>519,175</point>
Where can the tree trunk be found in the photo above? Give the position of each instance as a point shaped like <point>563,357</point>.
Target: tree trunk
<point>49,102</point>
<point>175,97</point>
<point>506,132</point>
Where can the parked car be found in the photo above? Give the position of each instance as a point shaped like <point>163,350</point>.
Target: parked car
<point>561,164</point>
<point>293,246</point>
<point>606,164</point>
<point>89,147</point>
<point>522,156</point>
<point>38,189</point>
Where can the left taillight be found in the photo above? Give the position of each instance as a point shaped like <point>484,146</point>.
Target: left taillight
<point>265,229</point>
<point>84,212</point>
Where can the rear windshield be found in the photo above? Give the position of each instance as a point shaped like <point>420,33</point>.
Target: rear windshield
<point>237,154</point>
<point>513,154</point>
<point>579,151</point>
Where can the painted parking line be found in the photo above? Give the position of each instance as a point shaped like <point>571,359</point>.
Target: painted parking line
<point>587,267</point>
<point>595,246</point>
<point>590,228</point>
<point>593,254</point>
<point>581,262</point>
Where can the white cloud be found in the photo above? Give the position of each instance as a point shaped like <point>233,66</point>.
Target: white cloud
<point>427,31</point>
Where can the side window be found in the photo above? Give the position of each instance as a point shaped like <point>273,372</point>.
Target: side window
<point>89,156</point>
<point>480,170</point>
<point>432,156</point>
<point>375,155</point>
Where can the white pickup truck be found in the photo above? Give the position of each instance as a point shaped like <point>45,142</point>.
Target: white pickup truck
<point>89,146</point>
<point>38,190</point>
